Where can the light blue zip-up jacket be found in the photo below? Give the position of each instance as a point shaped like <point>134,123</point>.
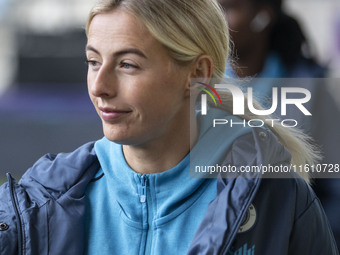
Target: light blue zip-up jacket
<point>45,212</point>
<point>160,212</point>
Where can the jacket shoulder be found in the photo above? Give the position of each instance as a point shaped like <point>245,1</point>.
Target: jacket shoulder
<point>45,192</point>
<point>54,174</point>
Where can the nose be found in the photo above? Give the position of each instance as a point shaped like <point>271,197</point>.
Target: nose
<point>102,83</point>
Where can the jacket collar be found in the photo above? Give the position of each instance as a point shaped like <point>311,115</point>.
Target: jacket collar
<point>54,175</point>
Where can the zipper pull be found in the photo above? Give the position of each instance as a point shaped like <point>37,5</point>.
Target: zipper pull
<point>143,195</point>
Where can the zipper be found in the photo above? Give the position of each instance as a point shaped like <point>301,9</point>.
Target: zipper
<point>142,197</point>
<point>16,211</point>
<point>145,197</point>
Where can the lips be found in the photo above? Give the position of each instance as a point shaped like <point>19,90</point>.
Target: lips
<point>111,115</point>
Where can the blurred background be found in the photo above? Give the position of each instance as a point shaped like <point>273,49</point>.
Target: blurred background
<point>44,106</point>
<point>320,20</point>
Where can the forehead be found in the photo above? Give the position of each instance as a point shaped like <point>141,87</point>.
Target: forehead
<point>118,27</point>
<point>113,22</point>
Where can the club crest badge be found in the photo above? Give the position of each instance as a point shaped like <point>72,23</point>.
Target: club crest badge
<point>248,220</point>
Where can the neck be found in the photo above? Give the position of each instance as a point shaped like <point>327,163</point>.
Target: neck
<point>163,153</point>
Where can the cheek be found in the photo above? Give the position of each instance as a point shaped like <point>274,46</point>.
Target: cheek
<point>152,104</point>
<point>90,80</point>
<point>92,98</point>
<point>144,102</point>
<point>156,93</point>
<point>89,90</point>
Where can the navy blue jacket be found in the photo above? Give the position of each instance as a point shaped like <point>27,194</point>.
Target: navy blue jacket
<point>44,212</point>
<point>323,126</point>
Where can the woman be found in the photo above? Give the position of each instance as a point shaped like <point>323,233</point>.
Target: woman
<point>131,192</point>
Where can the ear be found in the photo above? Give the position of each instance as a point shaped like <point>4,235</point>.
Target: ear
<point>203,67</point>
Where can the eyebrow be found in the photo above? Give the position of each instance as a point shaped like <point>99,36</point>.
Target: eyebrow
<point>119,53</point>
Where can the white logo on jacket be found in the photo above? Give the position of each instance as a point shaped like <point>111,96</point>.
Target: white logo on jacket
<point>248,220</point>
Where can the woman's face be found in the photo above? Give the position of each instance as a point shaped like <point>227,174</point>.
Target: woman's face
<point>138,91</point>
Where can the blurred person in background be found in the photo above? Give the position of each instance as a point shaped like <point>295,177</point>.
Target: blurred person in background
<point>268,43</point>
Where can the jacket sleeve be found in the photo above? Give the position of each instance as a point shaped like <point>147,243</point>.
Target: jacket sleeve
<point>8,223</point>
<point>311,233</point>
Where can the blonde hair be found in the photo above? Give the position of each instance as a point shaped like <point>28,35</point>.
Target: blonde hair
<point>190,28</point>
<point>185,27</point>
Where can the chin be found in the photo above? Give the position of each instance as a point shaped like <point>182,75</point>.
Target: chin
<point>119,137</point>
<point>114,137</point>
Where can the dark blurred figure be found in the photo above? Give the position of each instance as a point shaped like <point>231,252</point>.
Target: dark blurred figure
<point>270,44</point>
<point>267,42</point>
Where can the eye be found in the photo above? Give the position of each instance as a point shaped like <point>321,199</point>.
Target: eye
<point>92,63</point>
<point>126,65</point>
